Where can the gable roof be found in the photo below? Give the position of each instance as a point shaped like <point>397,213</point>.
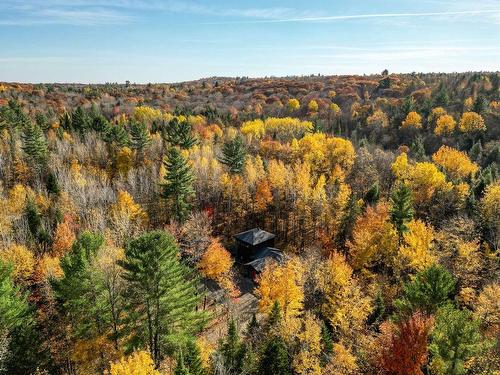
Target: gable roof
<point>266,254</point>
<point>254,236</point>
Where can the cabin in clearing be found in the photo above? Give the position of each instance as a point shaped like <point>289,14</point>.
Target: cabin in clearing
<point>254,248</point>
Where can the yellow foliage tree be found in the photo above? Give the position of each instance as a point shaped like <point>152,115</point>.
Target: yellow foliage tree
<point>344,304</point>
<point>127,216</point>
<point>138,363</point>
<point>416,252</point>
<point>146,114</point>
<point>456,163</point>
<point>445,124</point>
<point>124,160</point>
<point>282,283</point>
<point>412,120</point>
<point>335,109</point>
<point>400,167</point>
<point>374,239</point>
<point>378,118</point>
<point>22,260</point>
<point>490,210</point>
<point>425,180</point>
<point>487,309</point>
<point>313,106</point>
<point>293,104</point>
<point>343,362</point>
<point>216,264</point>
<point>324,153</point>
<point>471,122</point>
<point>307,360</point>
<point>468,103</point>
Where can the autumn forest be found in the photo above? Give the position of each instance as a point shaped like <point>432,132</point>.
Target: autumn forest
<point>276,226</point>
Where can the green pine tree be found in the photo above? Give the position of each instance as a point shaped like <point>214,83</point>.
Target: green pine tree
<point>52,184</point>
<point>234,155</point>
<point>417,148</point>
<point>180,367</point>
<point>139,136</point>
<point>179,133</point>
<point>275,359</point>
<point>14,309</point>
<point>65,121</point>
<point>162,295</point>
<point>401,209</point>
<point>455,339</point>
<point>116,136</point>
<point>82,299</point>
<point>35,146</point>
<point>177,187</point>
<point>476,152</point>
<point>431,289</point>
<point>80,120</point>
<point>326,339</point>
<point>233,350</point>
<point>192,359</point>
<point>372,196</point>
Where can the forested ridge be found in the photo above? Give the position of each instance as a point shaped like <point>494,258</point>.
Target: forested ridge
<point>120,202</point>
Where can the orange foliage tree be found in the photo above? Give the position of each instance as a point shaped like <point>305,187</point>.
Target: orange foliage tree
<point>216,264</point>
<point>403,346</point>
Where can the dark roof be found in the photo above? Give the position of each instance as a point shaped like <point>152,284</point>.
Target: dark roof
<point>263,255</point>
<point>254,236</point>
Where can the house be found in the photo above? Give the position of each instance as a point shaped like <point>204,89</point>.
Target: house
<point>255,247</point>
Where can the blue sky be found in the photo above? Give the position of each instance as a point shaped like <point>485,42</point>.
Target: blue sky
<point>92,41</point>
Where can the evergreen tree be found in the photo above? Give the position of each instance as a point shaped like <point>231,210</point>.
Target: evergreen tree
<point>192,359</point>
<point>139,136</point>
<point>348,220</point>
<point>16,325</point>
<point>378,312</point>
<point>275,359</point>
<point>14,309</point>
<point>326,339</point>
<point>417,148</point>
<point>455,339</point>
<point>431,289</point>
<point>12,116</point>
<point>40,235</point>
<point>162,295</point>
<point>35,146</point>
<point>317,127</point>
<point>180,367</point>
<point>178,133</point>
<point>233,350</point>
<point>51,184</point>
<point>65,121</point>
<point>476,152</point>
<point>83,301</point>
<point>441,99</point>
<point>80,120</point>
<point>372,196</point>
<point>116,136</point>
<point>480,104</point>
<point>274,318</point>
<point>401,209</point>
<point>233,155</point>
<point>98,122</point>
<point>177,187</point>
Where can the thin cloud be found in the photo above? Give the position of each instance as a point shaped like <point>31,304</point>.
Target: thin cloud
<point>493,12</point>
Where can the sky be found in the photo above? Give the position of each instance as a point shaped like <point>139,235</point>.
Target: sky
<point>97,41</point>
